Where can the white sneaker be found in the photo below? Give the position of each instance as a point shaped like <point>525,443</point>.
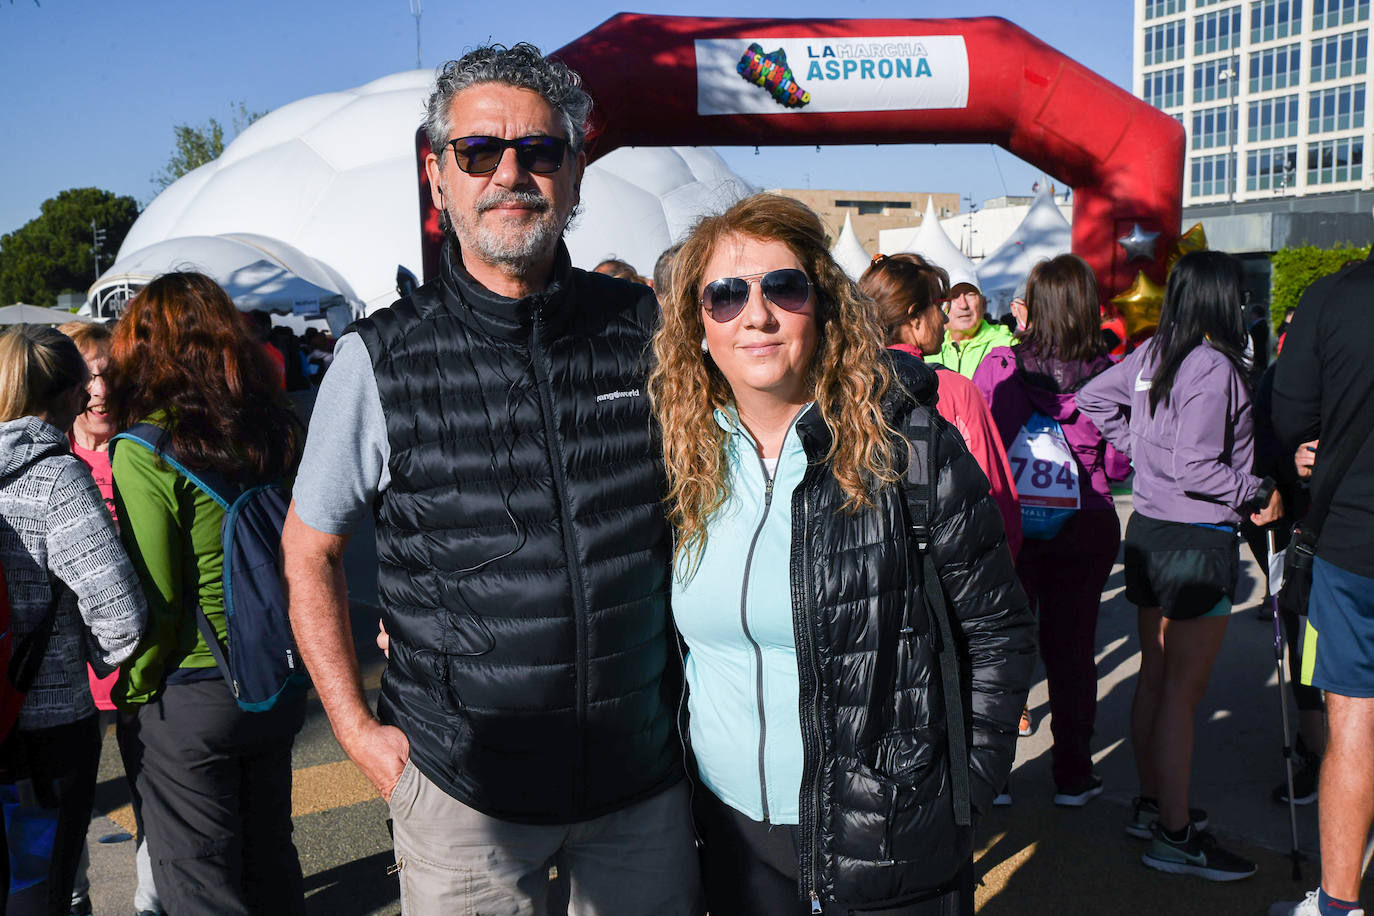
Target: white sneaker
<point>1308,907</point>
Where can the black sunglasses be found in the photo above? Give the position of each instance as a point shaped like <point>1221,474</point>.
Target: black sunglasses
<point>787,288</point>
<point>480,155</point>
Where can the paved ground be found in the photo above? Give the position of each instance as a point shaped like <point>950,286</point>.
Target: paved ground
<point>1034,858</point>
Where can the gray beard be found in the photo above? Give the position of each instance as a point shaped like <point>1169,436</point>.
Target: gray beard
<point>515,250</point>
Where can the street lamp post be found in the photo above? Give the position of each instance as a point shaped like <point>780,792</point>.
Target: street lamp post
<point>1230,75</point>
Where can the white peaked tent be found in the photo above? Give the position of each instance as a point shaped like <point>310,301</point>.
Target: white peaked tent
<point>1044,233</point>
<point>932,244</point>
<point>849,252</point>
<point>256,271</point>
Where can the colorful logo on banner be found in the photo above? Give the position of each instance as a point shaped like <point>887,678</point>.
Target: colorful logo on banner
<point>771,73</point>
<point>830,74</point>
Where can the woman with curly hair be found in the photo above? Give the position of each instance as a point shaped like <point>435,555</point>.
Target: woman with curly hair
<point>184,361</point>
<point>829,524</point>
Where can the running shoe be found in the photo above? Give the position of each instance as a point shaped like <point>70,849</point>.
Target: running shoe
<point>1144,813</point>
<point>771,73</point>
<point>1026,728</point>
<point>1304,782</point>
<point>1079,796</point>
<point>1196,854</point>
<point>1308,906</point>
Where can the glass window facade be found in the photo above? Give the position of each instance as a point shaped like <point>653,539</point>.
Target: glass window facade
<point>1164,43</point>
<point>1341,108</point>
<point>1329,13</point>
<point>1212,127</point>
<point>1333,161</point>
<point>1218,31</point>
<point>1156,8</point>
<point>1271,169</point>
<point>1215,79</point>
<point>1271,19</point>
<point>1164,88</point>
<point>1274,68</point>
<point>1272,119</point>
<point>1211,175</point>
<point>1339,56</point>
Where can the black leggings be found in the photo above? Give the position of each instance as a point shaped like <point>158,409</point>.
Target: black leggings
<point>750,869</point>
<point>61,763</point>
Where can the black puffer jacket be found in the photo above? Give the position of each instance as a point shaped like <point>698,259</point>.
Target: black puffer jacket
<point>882,786</point>
<point>522,549</point>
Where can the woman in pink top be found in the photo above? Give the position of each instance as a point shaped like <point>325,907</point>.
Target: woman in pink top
<point>89,439</point>
<point>911,294</point>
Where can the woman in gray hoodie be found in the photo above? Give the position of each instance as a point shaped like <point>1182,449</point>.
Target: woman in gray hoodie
<point>73,597</point>
<point>1179,406</point>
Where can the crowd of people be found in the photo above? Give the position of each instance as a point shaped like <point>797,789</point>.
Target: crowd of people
<point>717,591</point>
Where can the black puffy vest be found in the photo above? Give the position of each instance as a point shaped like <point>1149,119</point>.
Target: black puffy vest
<point>523,555</point>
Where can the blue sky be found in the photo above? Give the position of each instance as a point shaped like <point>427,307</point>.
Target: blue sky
<point>93,87</point>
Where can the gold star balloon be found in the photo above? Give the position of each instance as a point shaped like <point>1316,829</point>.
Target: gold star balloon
<point>1195,239</point>
<point>1140,304</point>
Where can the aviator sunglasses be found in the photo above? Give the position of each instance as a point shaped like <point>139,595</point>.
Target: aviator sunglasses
<point>787,288</point>
<point>480,155</point>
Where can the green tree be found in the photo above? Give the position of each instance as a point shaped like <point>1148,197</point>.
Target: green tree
<point>197,144</point>
<point>52,254</point>
<point>1295,269</point>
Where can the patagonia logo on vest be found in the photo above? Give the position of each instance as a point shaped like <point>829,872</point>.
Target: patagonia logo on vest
<point>617,395</point>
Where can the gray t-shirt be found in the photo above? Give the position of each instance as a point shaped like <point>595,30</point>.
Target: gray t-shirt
<point>344,467</point>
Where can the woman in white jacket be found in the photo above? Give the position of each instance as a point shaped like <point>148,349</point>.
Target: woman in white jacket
<point>73,597</point>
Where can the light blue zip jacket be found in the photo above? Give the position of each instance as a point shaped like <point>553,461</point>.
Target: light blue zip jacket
<point>735,612</point>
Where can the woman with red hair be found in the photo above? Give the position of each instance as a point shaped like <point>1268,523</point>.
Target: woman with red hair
<point>213,783</point>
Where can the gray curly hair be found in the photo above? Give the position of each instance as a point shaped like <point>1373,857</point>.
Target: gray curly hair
<point>522,66</point>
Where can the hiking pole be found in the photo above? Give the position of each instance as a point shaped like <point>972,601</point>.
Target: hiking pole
<point>1273,581</point>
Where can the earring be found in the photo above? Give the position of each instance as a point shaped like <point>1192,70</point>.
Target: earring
<point>704,348</point>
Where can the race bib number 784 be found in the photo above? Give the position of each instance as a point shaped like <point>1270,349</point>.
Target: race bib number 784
<point>1043,465</point>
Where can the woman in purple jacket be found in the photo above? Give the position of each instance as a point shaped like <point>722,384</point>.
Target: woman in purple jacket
<point>1062,465</point>
<point>1180,407</point>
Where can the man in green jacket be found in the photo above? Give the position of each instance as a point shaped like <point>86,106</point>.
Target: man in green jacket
<point>970,336</point>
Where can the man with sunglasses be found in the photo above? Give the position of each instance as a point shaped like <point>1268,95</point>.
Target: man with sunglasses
<point>495,425</point>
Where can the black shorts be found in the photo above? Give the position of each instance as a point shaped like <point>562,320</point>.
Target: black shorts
<point>1186,570</point>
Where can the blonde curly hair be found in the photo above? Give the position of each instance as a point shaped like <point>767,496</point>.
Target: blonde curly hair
<point>848,375</point>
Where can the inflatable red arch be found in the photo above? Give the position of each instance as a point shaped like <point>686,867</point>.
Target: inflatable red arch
<point>689,81</point>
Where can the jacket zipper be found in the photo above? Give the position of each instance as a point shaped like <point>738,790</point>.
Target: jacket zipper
<point>685,740</point>
<point>560,490</point>
<point>810,676</point>
<point>744,624</point>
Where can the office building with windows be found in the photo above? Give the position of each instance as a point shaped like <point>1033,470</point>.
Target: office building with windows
<point>1274,95</point>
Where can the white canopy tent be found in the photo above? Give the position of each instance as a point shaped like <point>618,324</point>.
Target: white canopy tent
<point>256,271</point>
<point>23,313</point>
<point>849,252</point>
<point>1044,233</point>
<point>333,176</point>
<point>637,201</point>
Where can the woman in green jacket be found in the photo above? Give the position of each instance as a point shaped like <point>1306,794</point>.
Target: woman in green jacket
<point>184,361</point>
